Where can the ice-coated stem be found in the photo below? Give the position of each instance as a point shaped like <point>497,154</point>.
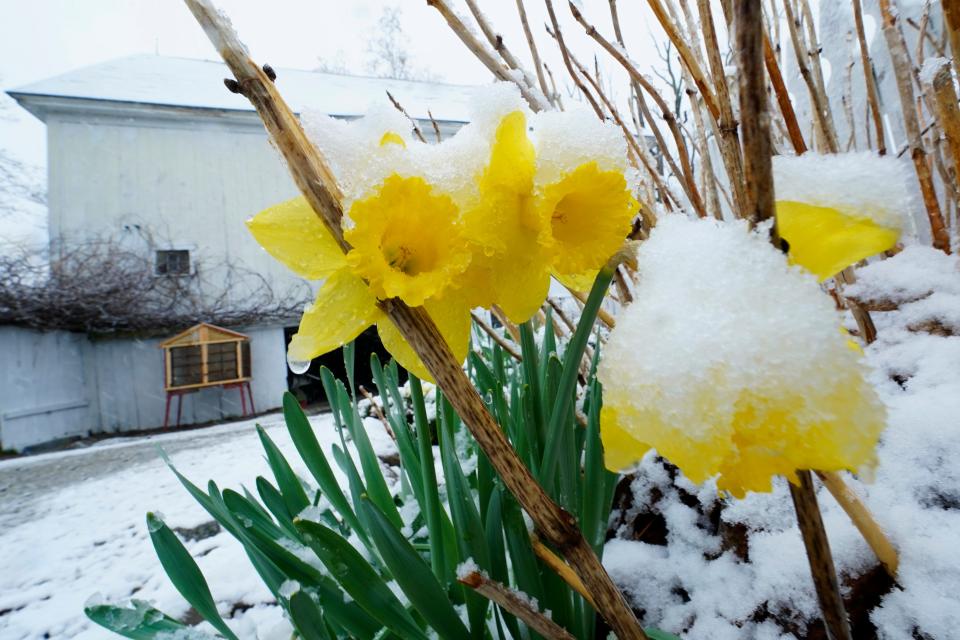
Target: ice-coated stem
<point>317,183</point>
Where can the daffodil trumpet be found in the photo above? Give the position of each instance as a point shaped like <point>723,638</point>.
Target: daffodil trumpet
<point>404,243</point>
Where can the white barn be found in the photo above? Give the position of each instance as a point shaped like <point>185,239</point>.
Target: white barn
<point>157,145</point>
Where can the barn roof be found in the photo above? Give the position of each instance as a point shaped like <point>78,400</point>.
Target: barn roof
<point>198,84</point>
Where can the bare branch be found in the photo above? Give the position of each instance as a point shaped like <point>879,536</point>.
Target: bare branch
<point>512,602</point>
<point>416,128</point>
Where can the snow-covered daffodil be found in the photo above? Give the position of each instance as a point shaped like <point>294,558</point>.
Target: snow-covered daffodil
<point>836,210</point>
<point>583,192</point>
<point>477,220</point>
<point>731,365</point>
<point>406,242</point>
<point>525,230</point>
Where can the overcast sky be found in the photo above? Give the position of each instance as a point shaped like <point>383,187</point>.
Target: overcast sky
<point>43,38</point>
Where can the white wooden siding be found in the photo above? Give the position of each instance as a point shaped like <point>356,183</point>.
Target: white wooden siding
<point>57,384</point>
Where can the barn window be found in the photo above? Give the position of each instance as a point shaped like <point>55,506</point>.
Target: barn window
<point>173,262</point>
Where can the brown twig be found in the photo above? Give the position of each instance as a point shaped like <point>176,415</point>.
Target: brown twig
<point>399,107</point>
<point>820,557</point>
<point>602,314</point>
<point>945,98</point>
<point>866,62</point>
<point>686,56</point>
<point>783,98</point>
<point>313,177</point>
<point>512,602</point>
<point>900,59</point>
<point>816,99</point>
<point>862,519</point>
<point>436,127</point>
<point>496,41</point>
<point>951,26</point>
<point>565,55</point>
<point>685,174</point>
<point>500,71</point>
<point>553,86</point>
<point>490,331</point>
<point>639,152</point>
<point>755,119</point>
<point>532,43</point>
<point>813,52</point>
<point>757,156</point>
<point>502,318</point>
<point>728,137</point>
<point>377,412</point>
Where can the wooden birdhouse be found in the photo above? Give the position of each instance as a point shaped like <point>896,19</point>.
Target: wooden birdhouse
<point>206,356</point>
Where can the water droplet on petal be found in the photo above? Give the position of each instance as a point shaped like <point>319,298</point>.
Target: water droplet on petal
<point>298,367</point>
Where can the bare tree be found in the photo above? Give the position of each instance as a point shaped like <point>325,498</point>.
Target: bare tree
<point>387,54</point>
<point>23,191</point>
<point>334,64</point>
<point>106,286</point>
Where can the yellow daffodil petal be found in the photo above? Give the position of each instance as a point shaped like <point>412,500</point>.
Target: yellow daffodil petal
<point>511,237</point>
<point>578,281</point>
<point>512,157</point>
<point>769,439</point>
<point>407,241</point>
<point>452,317</point>
<point>590,213</point>
<point>391,137</point>
<point>620,449</point>
<point>521,290</point>
<point>293,234</point>
<point>343,309</point>
<point>826,241</point>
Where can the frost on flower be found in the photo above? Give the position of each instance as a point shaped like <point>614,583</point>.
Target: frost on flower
<point>733,364</point>
<point>835,210</point>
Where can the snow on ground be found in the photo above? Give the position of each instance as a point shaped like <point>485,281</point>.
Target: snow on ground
<point>83,531</point>
<point>72,523</point>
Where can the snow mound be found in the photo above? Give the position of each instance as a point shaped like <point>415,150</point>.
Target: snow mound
<point>912,274</point>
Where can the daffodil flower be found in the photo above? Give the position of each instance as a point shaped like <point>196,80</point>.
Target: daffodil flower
<point>590,212</point>
<point>731,366</point>
<point>406,242</point>
<point>836,210</point>
<point>512,244</point>
<point>525,232</point>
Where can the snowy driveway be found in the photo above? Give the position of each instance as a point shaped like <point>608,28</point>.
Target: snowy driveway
<point>72,524</point>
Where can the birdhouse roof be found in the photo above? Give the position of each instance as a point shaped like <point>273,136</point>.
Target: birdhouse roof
<point>202,333</point>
